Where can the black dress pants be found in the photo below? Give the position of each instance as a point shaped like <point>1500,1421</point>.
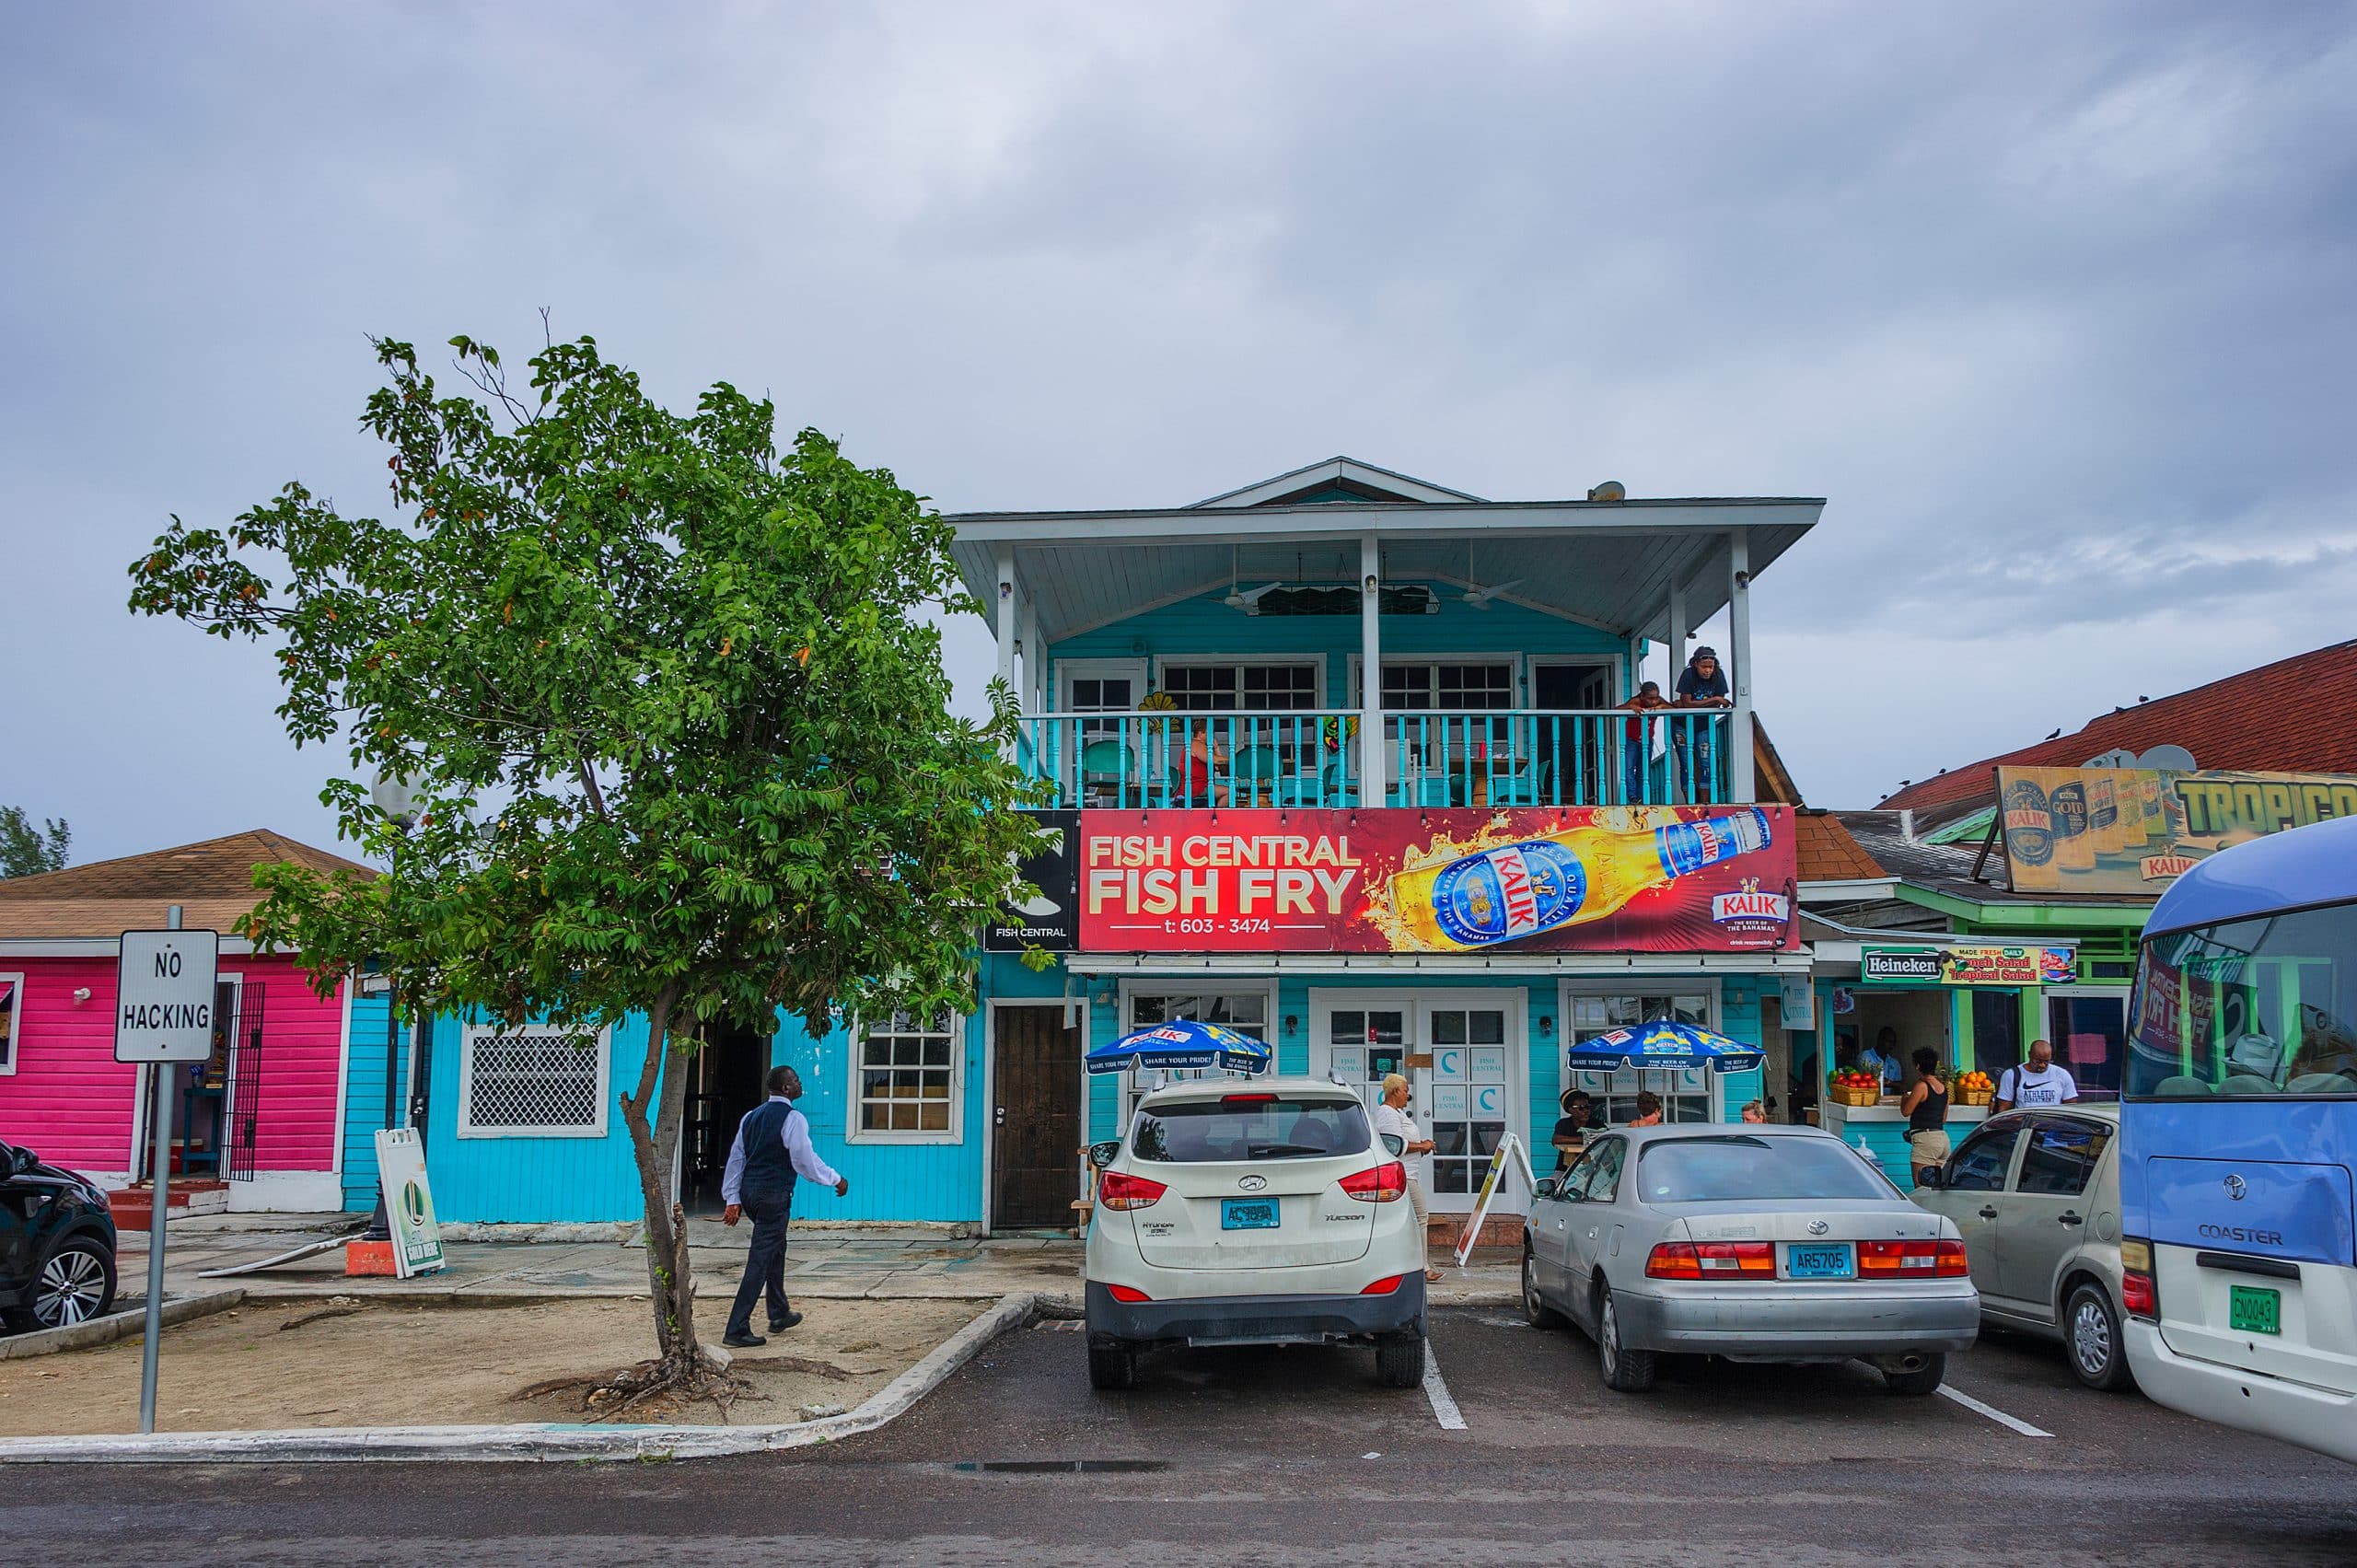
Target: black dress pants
<point>765,1263</point>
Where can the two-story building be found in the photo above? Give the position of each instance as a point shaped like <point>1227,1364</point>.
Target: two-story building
<point>1338,759</point>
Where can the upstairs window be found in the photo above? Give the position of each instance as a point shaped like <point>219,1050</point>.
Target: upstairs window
<point>1253,688</point>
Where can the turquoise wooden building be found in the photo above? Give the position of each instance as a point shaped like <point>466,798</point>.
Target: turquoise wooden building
<point>1504,635</point>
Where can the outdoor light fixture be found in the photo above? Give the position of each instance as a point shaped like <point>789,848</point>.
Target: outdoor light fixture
<point>1293,1022</point>
<point>1546,1025</point>
<point>81,995</point>
<point>1370,582</point>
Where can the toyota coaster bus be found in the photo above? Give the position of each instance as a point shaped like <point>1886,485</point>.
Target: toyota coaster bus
<point>2238,1134</point>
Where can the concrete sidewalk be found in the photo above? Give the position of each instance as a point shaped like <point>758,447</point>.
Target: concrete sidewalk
<point>841,1264</point>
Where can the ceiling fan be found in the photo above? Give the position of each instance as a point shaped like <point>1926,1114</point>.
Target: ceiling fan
<point>1478,596</point>
<point>1245,599</point>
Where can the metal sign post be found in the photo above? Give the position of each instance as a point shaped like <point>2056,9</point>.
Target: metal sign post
<point>163,1017</point>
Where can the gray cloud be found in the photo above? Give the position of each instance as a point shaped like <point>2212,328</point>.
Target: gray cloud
<point>2052,302</point>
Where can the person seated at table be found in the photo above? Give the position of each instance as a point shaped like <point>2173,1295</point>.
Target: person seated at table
<point>1648,1109</point>
<point>1198,772</point>
<point>1579,1122</point>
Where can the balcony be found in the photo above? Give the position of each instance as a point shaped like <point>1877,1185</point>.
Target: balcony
<point>1312,758</point>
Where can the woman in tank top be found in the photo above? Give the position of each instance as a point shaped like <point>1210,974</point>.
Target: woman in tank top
<point>1926,1104</point>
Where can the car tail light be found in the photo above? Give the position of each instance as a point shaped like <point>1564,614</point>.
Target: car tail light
<point>1127,1293</point>
<point>1383,1184</point>
<point>1247,1100</point>
<point>1118,1189</point>
<point>2140,1293</point>
<point>1383,1286</point>
<point>1712,1260</point>
<point>1912,1260</point>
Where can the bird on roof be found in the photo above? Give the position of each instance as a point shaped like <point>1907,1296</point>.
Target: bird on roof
<point>2055,732</point>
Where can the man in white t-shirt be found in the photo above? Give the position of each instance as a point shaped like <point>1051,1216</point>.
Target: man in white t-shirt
<point>2036,1081</point>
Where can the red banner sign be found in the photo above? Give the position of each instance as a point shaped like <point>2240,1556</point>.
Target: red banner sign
<point>1607,879</point>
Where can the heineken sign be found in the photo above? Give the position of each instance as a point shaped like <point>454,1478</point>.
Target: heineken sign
<point>1966,965</point>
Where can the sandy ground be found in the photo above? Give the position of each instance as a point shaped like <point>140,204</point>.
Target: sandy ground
<point>285,1364</point>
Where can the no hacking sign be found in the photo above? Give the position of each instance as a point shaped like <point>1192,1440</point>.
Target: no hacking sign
<point>163,995</point>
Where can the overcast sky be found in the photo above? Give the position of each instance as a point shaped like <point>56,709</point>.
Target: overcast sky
<point>2057,305</point>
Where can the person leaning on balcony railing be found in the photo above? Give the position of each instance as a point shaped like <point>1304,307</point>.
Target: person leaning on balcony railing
<point>1636,745</point>
<point>1701,684</point>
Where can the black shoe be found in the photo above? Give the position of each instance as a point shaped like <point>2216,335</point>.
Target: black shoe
<point>780,1324</point>
<point>743,1341</point>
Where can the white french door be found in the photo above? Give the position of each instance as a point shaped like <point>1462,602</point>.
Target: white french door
<point>1463,1054</point>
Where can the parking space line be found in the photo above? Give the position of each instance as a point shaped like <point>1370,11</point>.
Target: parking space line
<point>1444,1403</point>
<point>1991,1412</point>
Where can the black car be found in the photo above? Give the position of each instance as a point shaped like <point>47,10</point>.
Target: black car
<point>56,1245</point>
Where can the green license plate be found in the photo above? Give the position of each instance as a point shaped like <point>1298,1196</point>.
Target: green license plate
<point>2255,1309</point>
<point>1248,1214</point>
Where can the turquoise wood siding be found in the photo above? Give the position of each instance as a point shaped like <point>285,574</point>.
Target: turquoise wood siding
<point>364,1099</point>
<point>502,1181</point>
<point>1205,627</point>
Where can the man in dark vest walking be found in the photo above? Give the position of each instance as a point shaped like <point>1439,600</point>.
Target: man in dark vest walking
<point>773,1148</point>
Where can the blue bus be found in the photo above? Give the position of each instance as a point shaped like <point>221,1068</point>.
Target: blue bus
<point>2239,1136</point>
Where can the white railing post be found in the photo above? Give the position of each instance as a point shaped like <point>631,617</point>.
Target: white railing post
<point>1371,791</point>
<point>1739,782</point>
<point>1003,623</point>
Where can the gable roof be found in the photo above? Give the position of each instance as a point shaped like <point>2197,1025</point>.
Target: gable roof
<point>2288,716</point>
<point>1338,479</point>
<point>212,881</point>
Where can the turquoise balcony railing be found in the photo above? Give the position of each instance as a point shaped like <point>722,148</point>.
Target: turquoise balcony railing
<point>1312,756</point>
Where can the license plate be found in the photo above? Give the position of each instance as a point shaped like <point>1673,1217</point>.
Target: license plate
<point>1247,1214</point>
<point>1827,1261</point>
<point>2255,1309</point>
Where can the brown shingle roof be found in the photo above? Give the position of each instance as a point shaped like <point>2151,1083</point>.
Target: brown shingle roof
<point>2288,716</point>
<point>1829,852</point>
<point>211,882</point>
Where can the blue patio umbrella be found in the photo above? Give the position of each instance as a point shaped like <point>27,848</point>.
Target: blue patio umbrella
<point>1182,1042</point>
<point>1665,1043</point>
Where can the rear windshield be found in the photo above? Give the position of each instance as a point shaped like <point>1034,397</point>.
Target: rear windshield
<point>1704,1170</point>
<point>1203,1131</point>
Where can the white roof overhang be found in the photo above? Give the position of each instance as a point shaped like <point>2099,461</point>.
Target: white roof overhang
<point>1605,563</point>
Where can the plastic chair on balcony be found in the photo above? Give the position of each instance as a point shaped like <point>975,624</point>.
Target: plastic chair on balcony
<point>1107,773</point>
<point>1330,785</point>
<point>1253,775</point>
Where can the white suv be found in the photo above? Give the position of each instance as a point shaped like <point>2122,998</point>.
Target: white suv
<point>1253,1211</point>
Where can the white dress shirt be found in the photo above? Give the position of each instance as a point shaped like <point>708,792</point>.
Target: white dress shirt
<point>797,1134</point>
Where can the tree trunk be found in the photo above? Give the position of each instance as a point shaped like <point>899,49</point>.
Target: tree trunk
<point>670,1279</point>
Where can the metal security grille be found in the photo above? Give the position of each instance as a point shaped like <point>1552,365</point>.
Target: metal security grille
<point>536,1081</point>
<point>245,1078</point>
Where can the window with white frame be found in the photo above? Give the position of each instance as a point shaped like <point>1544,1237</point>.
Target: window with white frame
<point>1253,688</point>
<point>906,1081</point>
<point>1246,1012</point>
<point>12,1014</point>
<point>1448,688</point>
<point>532,1082</point>
<point>1685,1093</point>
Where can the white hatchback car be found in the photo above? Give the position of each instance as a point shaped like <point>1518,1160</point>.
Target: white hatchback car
<point>1252,1212</point>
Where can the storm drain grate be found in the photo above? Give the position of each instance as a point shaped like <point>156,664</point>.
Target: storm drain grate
<point>1065,1467</point>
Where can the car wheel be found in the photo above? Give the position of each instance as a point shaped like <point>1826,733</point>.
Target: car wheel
<point>1924,1379</point>
<point>2091,1337</point>
<point>1112,1364</point>
<point>75,1285</point>
<point>1534,1305</point>
<point>1399,1361</point>
<point>1625,1371</point>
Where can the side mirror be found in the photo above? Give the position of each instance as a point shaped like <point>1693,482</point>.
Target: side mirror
<point>1932,1176</point>
<point>1549,1186</point>
<point>1101,1154</point>
<point>1394,1145</point>
<point>21,1161</point>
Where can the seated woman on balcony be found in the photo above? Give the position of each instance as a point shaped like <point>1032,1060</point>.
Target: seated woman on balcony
<point>1204,777</point>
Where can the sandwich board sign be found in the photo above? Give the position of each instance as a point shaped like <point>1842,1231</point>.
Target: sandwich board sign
<point>163,991</point>
<point>408,1201</point>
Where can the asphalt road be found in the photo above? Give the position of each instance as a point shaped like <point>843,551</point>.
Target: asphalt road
<point>1292,1456</point>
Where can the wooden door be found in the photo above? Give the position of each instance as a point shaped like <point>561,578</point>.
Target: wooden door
<point>1035,1124</point>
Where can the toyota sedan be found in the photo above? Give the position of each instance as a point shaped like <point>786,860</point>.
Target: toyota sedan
<point>1752,1243</point>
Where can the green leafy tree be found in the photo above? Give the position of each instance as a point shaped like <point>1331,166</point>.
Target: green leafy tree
<point>674,711</point>
<point>27,851</point>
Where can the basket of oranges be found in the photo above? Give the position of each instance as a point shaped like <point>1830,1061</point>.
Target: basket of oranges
<point>1854,1085</point>
<point>1972,1088</point>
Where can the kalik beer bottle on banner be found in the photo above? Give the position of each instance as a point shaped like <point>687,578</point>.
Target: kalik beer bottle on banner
<point>2029,823</point>
<point>2074,842</point>
<point>1566,878</point>
<point>2103,812</point>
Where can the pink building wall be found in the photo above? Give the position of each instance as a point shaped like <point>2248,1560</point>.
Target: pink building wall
<point>71,1100</point>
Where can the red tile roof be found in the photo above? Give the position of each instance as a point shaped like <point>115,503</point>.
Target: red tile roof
<point>212,882</point>
<point>2289,716</point>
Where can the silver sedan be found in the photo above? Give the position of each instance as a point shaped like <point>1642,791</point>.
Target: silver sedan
<point>1753,1243</point>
